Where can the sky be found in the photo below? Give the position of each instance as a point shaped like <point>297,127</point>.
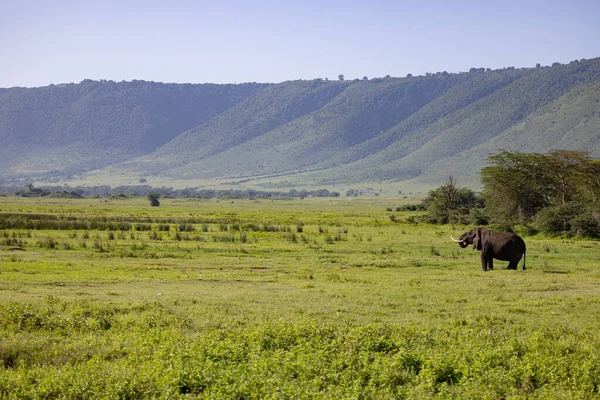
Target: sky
<point>45,42</point>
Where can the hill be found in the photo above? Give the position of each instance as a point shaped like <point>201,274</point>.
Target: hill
<point>60,130</point>
<point>417,129</point>
<point>524,110</point>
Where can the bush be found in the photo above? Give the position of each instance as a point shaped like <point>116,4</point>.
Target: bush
<point>586,225</point>
<point>153,197</point>
<point>554,220</point>
<point>570,219</point>
<point>441,210</point>
<point>478,217</point>
<point>410,207</point>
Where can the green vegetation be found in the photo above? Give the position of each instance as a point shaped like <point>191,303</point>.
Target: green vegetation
<point>319,298</point>
<point>421,128</point>
<point>298,133</point>
<point>62,130</point>
<point>153,198</point>
<point>145,190</point>
<point>452,204</point>
<point>556,193</point>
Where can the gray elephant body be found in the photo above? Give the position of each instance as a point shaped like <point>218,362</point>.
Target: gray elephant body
<point>504,246</point>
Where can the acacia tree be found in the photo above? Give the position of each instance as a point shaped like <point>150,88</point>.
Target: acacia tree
<point>565,168</point>
<point>514,185</point>
<point>519,185</point>
<point>589,181</point>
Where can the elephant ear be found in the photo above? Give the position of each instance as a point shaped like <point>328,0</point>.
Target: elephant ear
<point>477,241</point>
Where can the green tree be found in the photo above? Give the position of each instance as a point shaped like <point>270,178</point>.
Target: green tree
<point>559,193</point>
<point>449,192</point>
<point>153,198</point>
<point>565,168</point>
<point>589,182</point>
<point>516,187</point>
<point>450,204</point>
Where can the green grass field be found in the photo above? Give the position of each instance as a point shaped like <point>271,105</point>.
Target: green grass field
<point>283,299</point>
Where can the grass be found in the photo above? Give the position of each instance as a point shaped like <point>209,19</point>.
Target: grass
<point>234,301</point>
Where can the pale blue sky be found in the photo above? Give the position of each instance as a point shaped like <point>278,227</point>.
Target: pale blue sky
<point>44,41</point>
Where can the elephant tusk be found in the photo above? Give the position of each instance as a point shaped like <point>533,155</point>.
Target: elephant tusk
<point>455,240</point>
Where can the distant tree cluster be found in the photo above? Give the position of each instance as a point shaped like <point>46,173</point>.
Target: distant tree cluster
<point>556,193</point>
<point>153,194</point>
<point>452,204</point>
<point>472,70</point>
<point>32,191</point>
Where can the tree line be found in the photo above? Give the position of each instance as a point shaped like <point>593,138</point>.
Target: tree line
<point>556,194</point>
<point>146,190</point>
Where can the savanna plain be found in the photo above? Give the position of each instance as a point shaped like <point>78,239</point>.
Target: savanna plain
<point>298,299</point>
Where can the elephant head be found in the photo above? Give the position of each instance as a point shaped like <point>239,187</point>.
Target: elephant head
<point>471,237</point>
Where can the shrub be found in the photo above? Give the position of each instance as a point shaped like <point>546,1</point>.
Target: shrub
<point>143,227</point>
<point>411,207</point>
<point>586,225</point>
<point>153,198</point>
<point>554,220</point>
<point>448,203</point>
<point>478,217</point>
<point>570,219</point>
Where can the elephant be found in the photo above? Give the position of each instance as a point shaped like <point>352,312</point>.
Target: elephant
<point>505,246</point>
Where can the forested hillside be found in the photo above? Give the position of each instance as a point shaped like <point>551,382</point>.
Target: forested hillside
<point>420,128</point>
<point>61,130</point>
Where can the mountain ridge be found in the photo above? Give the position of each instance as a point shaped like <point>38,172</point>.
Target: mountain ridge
<point>414,129</point>
<point>60,130</point>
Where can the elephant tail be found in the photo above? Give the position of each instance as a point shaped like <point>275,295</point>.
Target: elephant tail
<point>524,256</point>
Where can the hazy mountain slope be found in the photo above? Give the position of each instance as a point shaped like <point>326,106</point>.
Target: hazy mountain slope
<point>420,129</point>
<point>76,127</point>
<point>258,114</point>
<point>468,127</point>
<point>362,111</point>
<point>413,130</point>
<point>571,122</point>
<point>492,117</point>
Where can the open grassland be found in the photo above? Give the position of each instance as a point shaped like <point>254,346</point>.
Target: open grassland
<point>283,299</point>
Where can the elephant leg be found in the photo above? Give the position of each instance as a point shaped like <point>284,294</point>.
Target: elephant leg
<point>513,264</point>
<point>483,262</point>
<point>491,264</point>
